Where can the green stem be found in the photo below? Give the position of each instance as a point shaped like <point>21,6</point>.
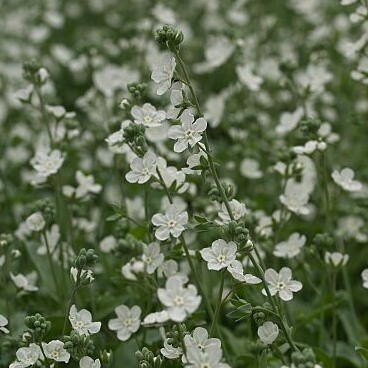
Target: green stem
<point>71,299</point>
<point>334,319</point>
<point>44,113</point>
<point>49,258</point>
<point>219,303</point>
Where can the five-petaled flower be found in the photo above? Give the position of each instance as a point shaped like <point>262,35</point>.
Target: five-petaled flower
<point>142,168</point>
<point>127,323</point>
<point>82,321</point>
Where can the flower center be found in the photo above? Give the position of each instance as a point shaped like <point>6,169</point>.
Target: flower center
<point>148,260</point>
<point>55,354</point>
<point>148,119</point>
<point>221,258</point>
<point>280,285</point>
<point>78,324</point>
<point>145,171</point>
<point>189,133</point>
<point>171,224</point>
<point>127,322</point>
<point>205,365</point>
<point>178,300</point>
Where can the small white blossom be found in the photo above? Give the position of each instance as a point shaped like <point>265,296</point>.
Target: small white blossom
<point>236,270</point>
<point>345,179</point>
<point>291,247</point>
<point>147,115</point>
<point>127,323</point>
<point>336,259</point>
<point>179,300</point>
<point>85,274</point>
<point>219,255</point>
<point>281,283</point>
<point>238,210</point>
<point>249,168</point>
<point>108,243</point>
<point>88,362</point>
<point>171,352</point>
<point>295,201</point>
<point>152,257</point>
<point>142,168</point>
<point>47,164</point>
<point>55,350</point>
<point>268,332</point>
<point>171,223</point>
<point>82,321</point>
<point>25,282</point>
<point>247,77</point>
<point>86,184</point>
<point>3,323</point>
<point>189,133</point>
<point>36,222</point>
<point>365,278</point>
<point>156,318</point>
<point>53,237</point>
<point>27,356</point>
<point>162,74</point>
<point>289,121</point>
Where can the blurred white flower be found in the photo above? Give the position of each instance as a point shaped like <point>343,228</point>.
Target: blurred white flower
<point>147,115</point>
<point>171,352</point>
<point>27,356</point>
<point>281,283</point>
<point>238,210</point>
<point>88,362</point>
<point>127,323</point>
<point>171,223</point>
<point>345,179</point>
<point>189,133</point>
<point>25,282</point>
<point>162,74</point>
<point>47,164</point>
<point>3,323</point>
<point>219,255</point>
<point>249,168</point>
<point>152,257</point>
<point>365,278</point>
<point>82,321</point>
<point>53,236</point>
<point>268,332</point>
<point>55,350</point>
<point>247,77</point>
<point>180,301</point>
<point>336,259</point>
<point>289,121</point>
<point>291,247</point>
<point>108,243</point>
<point>236,270</point>
<point>156,318</point>
<point>36,222</point>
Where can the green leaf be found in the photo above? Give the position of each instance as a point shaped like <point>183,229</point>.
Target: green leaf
<point>363,352</point>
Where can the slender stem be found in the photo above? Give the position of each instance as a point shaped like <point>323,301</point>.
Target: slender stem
<point>162,182</point>
<point>49,258</point>
<point>71,299</point>
<point>218,304</point>
<point>44,113</point>
<point>334,319</point>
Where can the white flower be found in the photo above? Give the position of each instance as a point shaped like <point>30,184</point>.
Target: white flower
<point>147,115</point>
<point>365,278</point>
<point>310,147</point>
<point>142,168</point>
<point>82,321</point>
<point>53,236</point>
<point>219,255</point>
<point>295,201</point>
<point>268,332</point>
<point>25,282</point>
<point>36,222</point>
<point>249,168</point>
<point>345,179</point>
<point>163,73</point>
<point>179,300</point>
<point>171,223</point>
<point>176,99</point>
<point>152,257</point>
<point>86,184</point>
<point>336,259</point>
<point>236,270</point>
<point>171,352</point>
<point>156,317</point>
<point>238,210</point>
<point>88,362</point>
<point>127,323</point>
<point>85,274</point>
<point>202,351</point>
<point>27,356</point>
<point>281,283</point>
<point>189,133</point>
<point>289,121</point>
<point>247,77</point>
<point>55,350</point>
<point>3,323</point>
<point>47,164</point>
<point>108,243</point>
<point>171,175</point>
<point>291,247</point>
<point>131,268</point>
